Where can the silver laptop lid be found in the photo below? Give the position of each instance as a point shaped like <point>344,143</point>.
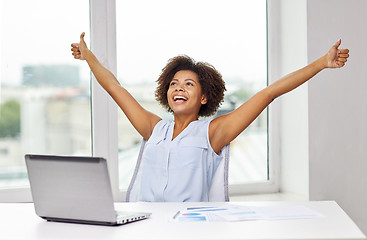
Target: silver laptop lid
<point>66,187</point>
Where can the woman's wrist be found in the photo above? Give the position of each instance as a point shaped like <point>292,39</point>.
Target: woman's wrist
<point>87,54</point>
<point>321,63</point>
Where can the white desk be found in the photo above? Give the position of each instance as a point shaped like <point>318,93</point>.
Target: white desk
<point>18,221</point>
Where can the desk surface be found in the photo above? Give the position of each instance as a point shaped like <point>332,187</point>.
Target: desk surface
<point>19,221</point>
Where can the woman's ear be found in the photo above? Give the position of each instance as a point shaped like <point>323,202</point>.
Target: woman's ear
<point>204,100</point>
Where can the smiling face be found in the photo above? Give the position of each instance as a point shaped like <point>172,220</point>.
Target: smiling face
<point>184,94</point>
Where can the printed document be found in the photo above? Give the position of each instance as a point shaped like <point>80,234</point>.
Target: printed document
<point>244,213</point>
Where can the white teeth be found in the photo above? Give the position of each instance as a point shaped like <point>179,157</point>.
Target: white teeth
<point>179,98</point>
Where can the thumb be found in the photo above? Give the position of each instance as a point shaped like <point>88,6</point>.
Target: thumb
<point>82,36</point>
<point>337,44</point>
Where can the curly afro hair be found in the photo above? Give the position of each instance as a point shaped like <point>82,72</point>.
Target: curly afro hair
<point>211,82</point>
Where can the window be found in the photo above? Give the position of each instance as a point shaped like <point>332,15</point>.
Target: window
<point>230,35</point>
<point>45,97</point>
<point>44,92</point>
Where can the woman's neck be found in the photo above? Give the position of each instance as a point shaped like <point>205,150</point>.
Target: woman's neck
<point>181,123</point>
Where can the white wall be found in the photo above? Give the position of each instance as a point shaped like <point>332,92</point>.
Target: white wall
<point>337,102</point>
<point>323,126</point>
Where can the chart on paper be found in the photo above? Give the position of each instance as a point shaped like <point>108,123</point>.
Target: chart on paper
<point>244,213</point>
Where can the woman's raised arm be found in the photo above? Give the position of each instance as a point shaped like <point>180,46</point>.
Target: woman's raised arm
<point>142,120</point>
<point>227,127</point>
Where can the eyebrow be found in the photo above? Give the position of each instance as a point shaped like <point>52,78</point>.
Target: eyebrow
<point>188,79</point>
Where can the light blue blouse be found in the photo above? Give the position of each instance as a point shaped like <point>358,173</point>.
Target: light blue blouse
<point>181,169</point>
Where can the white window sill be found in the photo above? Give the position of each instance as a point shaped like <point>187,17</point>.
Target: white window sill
<point>268,197</point>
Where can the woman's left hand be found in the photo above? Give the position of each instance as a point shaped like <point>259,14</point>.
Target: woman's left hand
<point>336,58</point>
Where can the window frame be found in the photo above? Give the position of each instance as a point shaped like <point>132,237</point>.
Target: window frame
<point>104,109</point>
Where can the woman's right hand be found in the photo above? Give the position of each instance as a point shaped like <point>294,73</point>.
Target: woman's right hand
<point>80,49</point>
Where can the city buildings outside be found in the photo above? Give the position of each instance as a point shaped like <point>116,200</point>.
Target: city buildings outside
<point>55,118</point>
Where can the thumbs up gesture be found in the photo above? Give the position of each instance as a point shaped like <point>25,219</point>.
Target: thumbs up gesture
<point>336,58</point>
<point>79,50</point>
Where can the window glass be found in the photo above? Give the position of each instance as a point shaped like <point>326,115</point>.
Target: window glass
<point>44,92</point>
<point>230,35</point>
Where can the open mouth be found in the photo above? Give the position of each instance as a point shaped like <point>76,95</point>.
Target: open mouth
<point>179,99</point>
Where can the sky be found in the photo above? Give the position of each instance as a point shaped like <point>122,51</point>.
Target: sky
<point>230,34</point>
<point>39,32</point>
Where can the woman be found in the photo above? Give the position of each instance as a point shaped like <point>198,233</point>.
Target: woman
<point>181,157</point>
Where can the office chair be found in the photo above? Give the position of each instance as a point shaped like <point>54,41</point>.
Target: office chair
<point>218,191</point>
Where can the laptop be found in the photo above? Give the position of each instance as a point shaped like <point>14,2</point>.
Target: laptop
<point>74,189</point>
